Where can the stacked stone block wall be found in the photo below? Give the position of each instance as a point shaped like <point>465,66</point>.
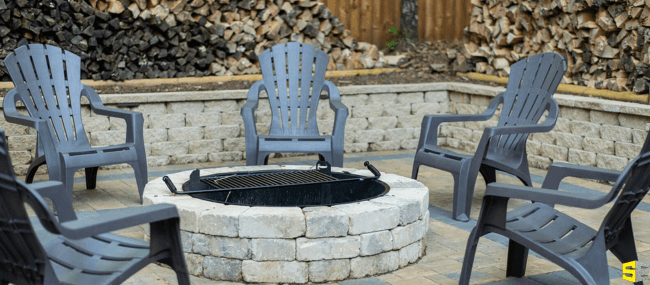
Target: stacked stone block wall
<point>193,127</point>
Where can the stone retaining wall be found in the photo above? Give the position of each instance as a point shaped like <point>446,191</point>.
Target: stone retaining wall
<point>191,127</point>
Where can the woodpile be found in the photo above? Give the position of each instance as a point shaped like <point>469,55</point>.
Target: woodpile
<point>605,42</point>
<point>127,39</point>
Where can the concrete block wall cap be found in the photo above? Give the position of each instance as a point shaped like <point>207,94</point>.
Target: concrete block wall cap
<point>208,79</point>
<point>570,88</point>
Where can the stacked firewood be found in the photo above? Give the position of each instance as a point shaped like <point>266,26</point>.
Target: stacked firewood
<point>605,42</point>
<point>127,39</point>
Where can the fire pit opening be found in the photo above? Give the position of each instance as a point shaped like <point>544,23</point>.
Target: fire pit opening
<point>284,188</point>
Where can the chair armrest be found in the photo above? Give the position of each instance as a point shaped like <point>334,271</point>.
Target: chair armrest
<point>117,219</point>
<point>542,195</point>
<point>430,123</point>
<point>134,120</point>
<point>12,116</point>
<point>248,109</point>
<point>340,112</point>
<point>559,171</point>
<point>55,191</point>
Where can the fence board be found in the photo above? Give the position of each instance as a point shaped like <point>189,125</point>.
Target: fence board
<point>368,20</point>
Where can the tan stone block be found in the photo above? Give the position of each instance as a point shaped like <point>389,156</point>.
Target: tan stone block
<point>154,135</point>
<point>480,100</point>
<point>387,99</point>
<point>599,146</point>
<point>562,125</point>
<point>185,134</point>
<point>355,147</point>
<point>202,119</point>
<point>117,124</point>
<point>165,121</point>
<point>188,158</point>
<point>150,108</point>
<point>98,123</point>
<point>370,136</point>
<point>616,133</point>
<point>399,134</point>
<point>547,138</point>
<point>414,121</point>
<point>409,144</point>
<point>627,150</point>
<point>162,160</point>
<point>205,146</point>
<point>467,109</point>
<point>354,100</point>
<point>382,123</point>
<point>605,118</point>
<point>408,98</point>
<point>325,127</point>
<point>582,157</point>
<point>633,121</point>
<point>639,136</point>
<point>436,96</point>
<point>539,162</point>
<point>354,124</point>
<point>568,140</point>
<point>611,162</point>
<point>462,134</point>
<point>365,111</point>
<point>221,106</point>
<point>185,107</point>
<point>18,143</point>
<point>20,157</point>
<point>169,148</point>
<point>231,118</point>
<point>586,129</point>
<point>429,108</point>
<point>225,156</point>
<point>458,97</point>
<point>556,153</point>
<point>533,147</point>
<point>398,110</point>
<point>107,138</point>
<point>574,114</point>
<point>221,132</point>
<point>385,145</point>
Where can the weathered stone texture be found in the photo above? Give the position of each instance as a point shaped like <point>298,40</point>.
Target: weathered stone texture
<point>327,248</point>
<point>598,145</point>
<point>408,98</point>
<point>403,236</point>
<point>165,121</point>
<point>568,140</point>
<point>375,264</point>
<point>611,162</point>
<point>556,153</point>
<point>222,268</point>
<point>386,145</point>
<point>221,132</point>
<point>414,121</point>
<point>329,270</point>
<point>222,220</point>
<point>586,129</point>
<point>436,96</point>
<point>275,271</point>
<point>369,136</point>
<point>382,98</point>
<point>616,133</point>
<point>369,217</point>
<point>382,123</point>
<point>273,249</point>
<point>409,254</point>
<point>169,148</point>
<point>627,149</point>
<point>223,106</point>
<point>185,107</point>
<point>582,157</point>
<point>429,108</point>
<point>605,118</point>
<point>264,222</point>
<point>202,119</point>
<point>574,114</point>
<point>188,158</point>
<point>205,146</point>
<point>98,138</point>
<point>633,121</point>
<point>376,242</point>
<point>365,111</point>
<point>154,135</point>
<point>354,124</point>
<point>185,134</point>
<point>325,222</point>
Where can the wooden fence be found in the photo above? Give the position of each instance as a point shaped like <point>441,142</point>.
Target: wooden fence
<point>368,20</point>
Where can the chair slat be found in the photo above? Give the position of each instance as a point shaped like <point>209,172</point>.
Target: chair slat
<point>280,66</point>
<point>307,78</point>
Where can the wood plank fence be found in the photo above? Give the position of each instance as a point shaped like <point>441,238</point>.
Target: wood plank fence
<point>368,20</point>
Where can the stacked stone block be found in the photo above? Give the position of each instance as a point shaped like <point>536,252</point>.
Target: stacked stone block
<point>294,245</point>
<point>193,127</point>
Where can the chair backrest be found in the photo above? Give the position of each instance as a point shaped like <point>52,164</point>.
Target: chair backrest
<point>633,186</point>
<point>531,85</point>
<point>297,71</point>
<point>48,83</point>
<point>21,254</point>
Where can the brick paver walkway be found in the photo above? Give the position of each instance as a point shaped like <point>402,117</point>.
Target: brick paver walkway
<point>446,239</point>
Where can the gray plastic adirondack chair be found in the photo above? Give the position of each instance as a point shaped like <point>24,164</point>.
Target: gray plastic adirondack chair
<point>556,236</point>
<point>529,93</point>
<point>293,125</point>
<point>47,82</point>
<point>83,252</point>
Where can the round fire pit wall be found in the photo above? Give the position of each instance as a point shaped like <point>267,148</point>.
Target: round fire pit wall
<point>299,245</point>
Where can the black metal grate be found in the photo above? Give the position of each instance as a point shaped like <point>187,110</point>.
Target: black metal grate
<point>267,179</point>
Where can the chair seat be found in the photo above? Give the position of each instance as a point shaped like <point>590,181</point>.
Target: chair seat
<point>106,155</point>
<point>312,144</point>
<point>95,260</point>
<point>544,229</point>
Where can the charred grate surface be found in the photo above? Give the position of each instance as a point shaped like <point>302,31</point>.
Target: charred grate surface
<point>267,179</point>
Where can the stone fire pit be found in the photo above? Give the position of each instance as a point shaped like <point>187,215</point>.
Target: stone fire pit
<point>299,245</point>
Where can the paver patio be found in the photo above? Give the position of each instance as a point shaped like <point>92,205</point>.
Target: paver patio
<point>445,241</point>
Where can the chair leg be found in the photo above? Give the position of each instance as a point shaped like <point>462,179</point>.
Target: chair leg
<point>517,259</point>
<point>91,177</point>
<point>470,253</point>
<point>141,176</point>
<point>337,157</point>
<point>625,249</point>
<point>69,181</point>
<point>31,171</point>
<point>251,157</point>
<point>414,172</point>
<point>165,235</point>
<point>463,192</point>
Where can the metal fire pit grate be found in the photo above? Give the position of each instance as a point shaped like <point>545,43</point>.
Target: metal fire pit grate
<point>302,188</point>
<point>236,181</point>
